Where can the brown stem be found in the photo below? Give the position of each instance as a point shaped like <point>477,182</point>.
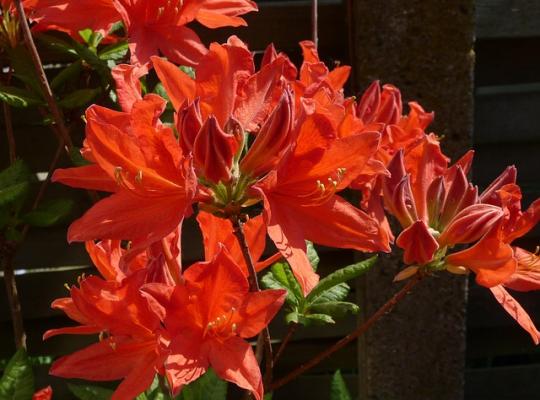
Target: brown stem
<point>38,65</point>
<point>286,339</point>
<point>9,126</point>
<point>44,185</point>
<point>9,133</point>
<point>315,22</point>
<point>7,253</point>
<point>387,307</point>
<point>238,226</point>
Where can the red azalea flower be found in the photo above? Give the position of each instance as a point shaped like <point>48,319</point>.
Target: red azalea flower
<point>43,394</point>
<point>72,16</point>
<point>133,350</point>
<point>209,318</point>
<point>153,180</point>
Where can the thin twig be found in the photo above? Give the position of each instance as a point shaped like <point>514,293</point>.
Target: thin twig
<point>44,185</point>
<point>9,125</point>
<point>38,65</point>
<point>7,253</point>
<point>238,226</point>
<point>286,339</point>
<point>387,307</point>
<point>315,22</point>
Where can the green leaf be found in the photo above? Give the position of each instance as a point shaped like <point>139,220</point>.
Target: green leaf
<point>340,276</point>
<point>283,274</point>
<point>207,387</point>
<point>5,216</point>
<point>87,392</point>
<point>336,293</point>
<point>12,234</point>
<point>116,51</point>
<point>315,319</point>
<point>23,68</point>
<point>57,43</point>
<point>17,383</point>
<point>14,183</point>
<point>13,193</point>
<point>312,255</point>
<point>91,58</point>
<point>91,38</point>
<point>49,213</point>
<point>79,98</point>
<point>16,173</point>
<point>268,396</point>
<point>292,317</point>
<point>70,73</point>
<point>335,309</point>
<point>17,97</point>
<point>160,90</point>
<point>338,388</point>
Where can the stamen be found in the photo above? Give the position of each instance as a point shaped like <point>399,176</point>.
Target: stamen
<point>139,176</point>
<point>118,175</point>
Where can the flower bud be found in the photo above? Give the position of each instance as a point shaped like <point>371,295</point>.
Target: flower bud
<point>272,141</point>
<point>490,195</point>
<point>419,245</point>
<point>188,124</point>
<point>369,103</point>
<point>470,224</point>
<point>213,151</point>
<point>456,193</point>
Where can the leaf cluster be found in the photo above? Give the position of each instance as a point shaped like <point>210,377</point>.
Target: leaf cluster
<point>326,302</point>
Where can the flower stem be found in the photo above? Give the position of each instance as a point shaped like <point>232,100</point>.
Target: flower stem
<point>286,339</point>
<point>9,125</point>
<point>38,65</point>
<point>7,252</point>
<point>387,307</point>
<point>238,228</point>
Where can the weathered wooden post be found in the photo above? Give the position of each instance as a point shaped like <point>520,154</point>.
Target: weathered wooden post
<point>425,47</point>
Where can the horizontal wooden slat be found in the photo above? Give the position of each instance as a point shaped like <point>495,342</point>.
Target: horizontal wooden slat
<point>286,23</point>
<point>503,383</point>
<point>507,114</point>
<point>492,158</point>
<point>507,18</point>
<point>507,61</point>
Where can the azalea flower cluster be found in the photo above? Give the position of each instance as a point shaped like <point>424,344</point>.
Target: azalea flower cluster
<point>288,140</point>
<point>274,151</point>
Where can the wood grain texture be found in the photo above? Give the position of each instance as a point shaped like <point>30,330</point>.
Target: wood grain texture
<point>507,18</point>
